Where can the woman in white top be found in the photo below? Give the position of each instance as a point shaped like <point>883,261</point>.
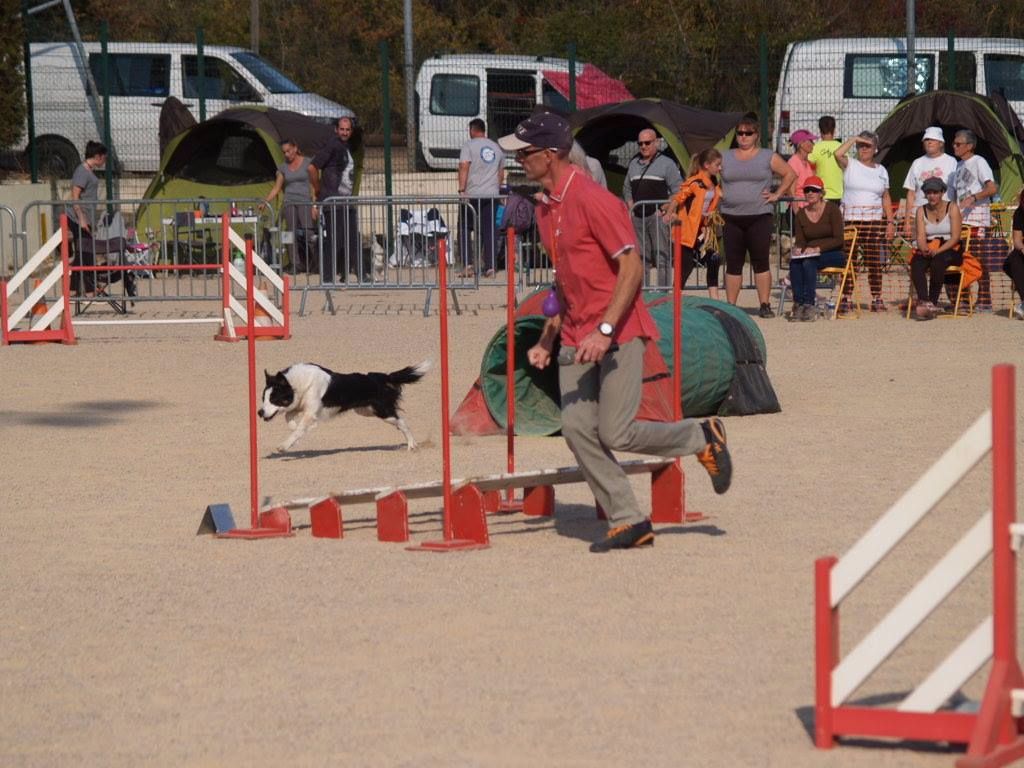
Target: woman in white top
<point>938,247</point>
<point>866,204</point>
<point>975,187</point>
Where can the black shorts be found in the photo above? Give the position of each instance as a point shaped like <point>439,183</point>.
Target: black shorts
<point>747,234</point>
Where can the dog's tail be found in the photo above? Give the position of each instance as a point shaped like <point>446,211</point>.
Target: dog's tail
<point>410,374</point>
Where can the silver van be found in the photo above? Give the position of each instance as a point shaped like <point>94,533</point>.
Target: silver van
<point>142,76</point>
<point>859,80</point>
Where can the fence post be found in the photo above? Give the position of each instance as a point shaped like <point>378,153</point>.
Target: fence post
<point>385,74</point>
<point>571,51</point>
<point>763,76</point>
<point>950,61</point>
<point>108,170</point>
<point>33,155</point>
<point>201,74</point>
<point>385,90</point>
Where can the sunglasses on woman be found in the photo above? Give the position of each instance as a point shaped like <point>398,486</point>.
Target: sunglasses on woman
<point>745,133</point>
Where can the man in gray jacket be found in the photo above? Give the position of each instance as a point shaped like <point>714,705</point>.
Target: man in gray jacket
<point>652,175</point>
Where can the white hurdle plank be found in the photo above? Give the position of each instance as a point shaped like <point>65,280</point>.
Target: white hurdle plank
<point>955,670</point>
<point>34,296</point>
<point>260,267</point>
<point>261,298</point>
<point>165,321</point>
<point>1017,702</point>
<point>914,608</point>
<point>431,488</point>
<point>911,507</point>
<point>30,266</point>
<point>44,322</point>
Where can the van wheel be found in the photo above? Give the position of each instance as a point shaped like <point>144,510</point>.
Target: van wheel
<point>57,158</point>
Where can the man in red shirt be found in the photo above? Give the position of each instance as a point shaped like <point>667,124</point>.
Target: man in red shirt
<point>604,326</point>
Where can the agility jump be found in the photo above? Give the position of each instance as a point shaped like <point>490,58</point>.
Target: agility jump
<point>57,325</point>
<point>995,734</point>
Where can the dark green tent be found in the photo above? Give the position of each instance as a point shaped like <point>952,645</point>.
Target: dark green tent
<point>996,125</point>
<point>686,130</point>
<point>233,156</point>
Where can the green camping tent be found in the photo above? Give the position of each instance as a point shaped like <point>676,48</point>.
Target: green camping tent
<point>686,130</point>
<point>998,129</point>
<point>232,156</point>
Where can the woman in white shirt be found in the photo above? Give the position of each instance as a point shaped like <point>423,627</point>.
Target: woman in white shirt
<point>975,187</point>
<point>866,204</point>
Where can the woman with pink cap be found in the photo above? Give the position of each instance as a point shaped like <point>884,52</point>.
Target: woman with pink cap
<point>803,143</point>
<point>818,228</point>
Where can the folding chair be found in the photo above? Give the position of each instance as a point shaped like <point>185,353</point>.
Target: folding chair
<point>847,275</point>
<point>965,243</point>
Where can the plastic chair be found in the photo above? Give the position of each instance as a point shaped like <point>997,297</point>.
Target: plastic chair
<point>846,274</point>
<point>965,243</point>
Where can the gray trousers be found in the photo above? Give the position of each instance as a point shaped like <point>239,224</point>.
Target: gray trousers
<point>599,405</point>
<point>655,246</point>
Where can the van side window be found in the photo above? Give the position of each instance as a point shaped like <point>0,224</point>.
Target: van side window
<point>884,76</point>
<point>133,74</point>
<point>1003,70</point>
<point>455,95</point>
<point>222,81</point>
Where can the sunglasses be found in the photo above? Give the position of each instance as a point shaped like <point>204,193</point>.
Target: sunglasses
<point>815,190</point>
<point>933,191</point>
<point>959,143</point>
<point>746,133</point>
<point>645,143</point>
<point>522,154</point>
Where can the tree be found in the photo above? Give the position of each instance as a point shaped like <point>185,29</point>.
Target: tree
<point>12,84</point>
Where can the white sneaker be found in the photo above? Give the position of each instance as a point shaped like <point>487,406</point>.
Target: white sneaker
<point>1018,311</point>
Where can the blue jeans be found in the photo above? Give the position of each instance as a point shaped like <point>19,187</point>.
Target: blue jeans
<point>803,273</point>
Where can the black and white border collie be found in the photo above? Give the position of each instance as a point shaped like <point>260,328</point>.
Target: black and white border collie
<point>307,392</point>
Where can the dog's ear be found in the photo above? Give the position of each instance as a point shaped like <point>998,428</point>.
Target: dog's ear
<point>267,373</point>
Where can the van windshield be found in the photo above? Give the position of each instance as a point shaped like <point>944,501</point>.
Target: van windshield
<point>271,78</point>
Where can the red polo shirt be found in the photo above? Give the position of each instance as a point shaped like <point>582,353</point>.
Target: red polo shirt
<point>585,228</point>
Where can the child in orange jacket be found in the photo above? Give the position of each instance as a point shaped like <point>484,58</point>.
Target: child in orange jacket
<point>693,207</point>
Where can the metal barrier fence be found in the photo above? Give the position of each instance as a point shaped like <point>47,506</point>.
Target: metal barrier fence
<point>175,245</point>
<point>391,243</point>
<point>10,243</point>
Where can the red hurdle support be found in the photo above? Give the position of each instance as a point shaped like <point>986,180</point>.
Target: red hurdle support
<point>275,522</point>
<point>464,522</point>
<point>510,503</point>
<point>994,735</point>
<point>668,500</point>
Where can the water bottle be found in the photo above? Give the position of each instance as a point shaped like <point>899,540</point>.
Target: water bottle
<point>830,308</point>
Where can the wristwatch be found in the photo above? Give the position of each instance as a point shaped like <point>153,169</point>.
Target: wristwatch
<point>606,329</point>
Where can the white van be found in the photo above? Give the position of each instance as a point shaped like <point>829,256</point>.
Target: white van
<point>501,90</point>
<point>859,80</point>
<point>142,76</point>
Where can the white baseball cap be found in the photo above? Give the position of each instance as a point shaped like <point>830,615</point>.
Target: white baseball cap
<point>934,133</point>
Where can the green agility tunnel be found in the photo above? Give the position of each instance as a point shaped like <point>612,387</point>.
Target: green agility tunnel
<point>709,366</point>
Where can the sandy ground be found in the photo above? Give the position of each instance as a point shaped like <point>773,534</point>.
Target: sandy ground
<point>127,640</point>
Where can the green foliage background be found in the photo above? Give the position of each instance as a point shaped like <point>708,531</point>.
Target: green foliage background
<point>700,52</point>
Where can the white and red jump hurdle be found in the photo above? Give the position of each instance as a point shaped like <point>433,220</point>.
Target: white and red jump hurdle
<point>57,324</point>
<point>995,734</point>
